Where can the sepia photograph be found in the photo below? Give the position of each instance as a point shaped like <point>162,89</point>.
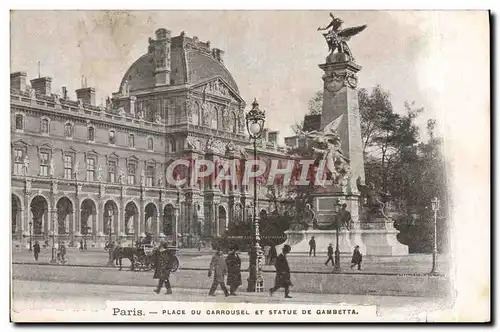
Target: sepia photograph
<point>249,166</point>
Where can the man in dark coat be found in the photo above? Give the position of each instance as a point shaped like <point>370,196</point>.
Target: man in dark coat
<point>219,268</point>
<point>345,217</point>
<point>312,246</point>
<point>233,263</point>
<point>330,254</point>
<point>282,273</point>
<point>36,250</point>
<point>357,257</point>
<point>163,260</point>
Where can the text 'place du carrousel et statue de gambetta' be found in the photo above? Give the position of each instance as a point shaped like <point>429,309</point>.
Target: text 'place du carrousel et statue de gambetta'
<point>362,213</point>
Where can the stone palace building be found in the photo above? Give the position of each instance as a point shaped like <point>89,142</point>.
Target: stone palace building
<point>98,172</point>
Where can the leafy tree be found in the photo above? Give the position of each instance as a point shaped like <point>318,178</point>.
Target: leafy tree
<point>315,105</point>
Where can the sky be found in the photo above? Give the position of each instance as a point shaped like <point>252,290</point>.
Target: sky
<point>273,55</point>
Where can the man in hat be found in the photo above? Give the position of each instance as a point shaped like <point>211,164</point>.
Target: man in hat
<point>233,263</point>
<point>330,254</point>
<point>219,268</point>
<point>357,257</point>
<point>282,273</point>
<point>163,259</point>
<point>312,246</point>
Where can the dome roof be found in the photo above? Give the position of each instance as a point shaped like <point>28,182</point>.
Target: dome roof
<point>188,66</point>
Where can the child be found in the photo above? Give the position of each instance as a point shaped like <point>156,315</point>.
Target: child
<point>357,257</point>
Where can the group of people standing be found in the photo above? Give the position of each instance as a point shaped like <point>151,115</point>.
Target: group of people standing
<point>357,257</point>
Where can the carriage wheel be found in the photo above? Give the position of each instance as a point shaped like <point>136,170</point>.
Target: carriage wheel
<point>136,266</point>
<point>175,264</point>
<point>148,267</point>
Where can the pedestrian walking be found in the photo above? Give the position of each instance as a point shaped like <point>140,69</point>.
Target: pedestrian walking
<point>312,246</point>
<point>110,246</point>
<point>282,273</point>
<point>330,254</point>
<point>81,245</point>
<point>219,268</point>
<point>233,263</point>
<point>273,254</point>
<point>61,255</point>
<point>357,257</point>
<point>163,261</point>
<point>36,250</point>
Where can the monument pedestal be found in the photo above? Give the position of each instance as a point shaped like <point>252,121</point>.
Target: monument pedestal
<point>376,241</point>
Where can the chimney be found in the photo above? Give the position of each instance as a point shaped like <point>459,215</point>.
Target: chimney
<point>273,136</point>
<point>42,85</point>
<point>18,81</point>
<point>64,93</point>
<point>218,54</point>
<point>87,95</point>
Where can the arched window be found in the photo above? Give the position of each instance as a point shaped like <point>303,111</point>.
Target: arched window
<point>91,134</point>
<point>19,122</point>
<point>111,137</point>
<point>150,143</point>
<point>131,141</point>
<point>44,126</point>
<point>68,130</point>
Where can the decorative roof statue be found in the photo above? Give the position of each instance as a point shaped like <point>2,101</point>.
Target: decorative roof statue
<point>337,38</point>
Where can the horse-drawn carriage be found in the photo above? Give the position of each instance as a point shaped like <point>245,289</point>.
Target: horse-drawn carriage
<point>142,257</point>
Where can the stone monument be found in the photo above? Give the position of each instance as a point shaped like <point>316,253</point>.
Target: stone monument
<point>338,144</point>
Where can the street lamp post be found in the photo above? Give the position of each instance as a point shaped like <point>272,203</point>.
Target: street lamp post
<point>110,223</point>
<point>435,207</point>
<point>85,237</point>
<point>255,119</point>
<point>110,248</point>
<point>31,246</point>
<point>336,267</point>
<point>53,259</point>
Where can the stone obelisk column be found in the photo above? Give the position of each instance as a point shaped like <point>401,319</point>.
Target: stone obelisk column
<point>340,102</point>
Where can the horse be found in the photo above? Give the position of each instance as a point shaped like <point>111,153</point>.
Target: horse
<point>133,254</point>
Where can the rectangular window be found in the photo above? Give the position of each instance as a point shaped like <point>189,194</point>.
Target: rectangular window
<point>150,176</point>
<point>91,134</point>
<point>112,171</point>
<point>45,126</point>
<point>68,167</point>
<point>18,161</point>
<point>90,169</point>
<point>112,137</point>
<point>44,164</point>
<point>131,141</point>
<point>19,122</point>
<point>131,173</point>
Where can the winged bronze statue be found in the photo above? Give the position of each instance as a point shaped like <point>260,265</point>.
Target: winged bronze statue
<point>337,38</point>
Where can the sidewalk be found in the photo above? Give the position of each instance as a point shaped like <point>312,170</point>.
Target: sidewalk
<point>32,296</point>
